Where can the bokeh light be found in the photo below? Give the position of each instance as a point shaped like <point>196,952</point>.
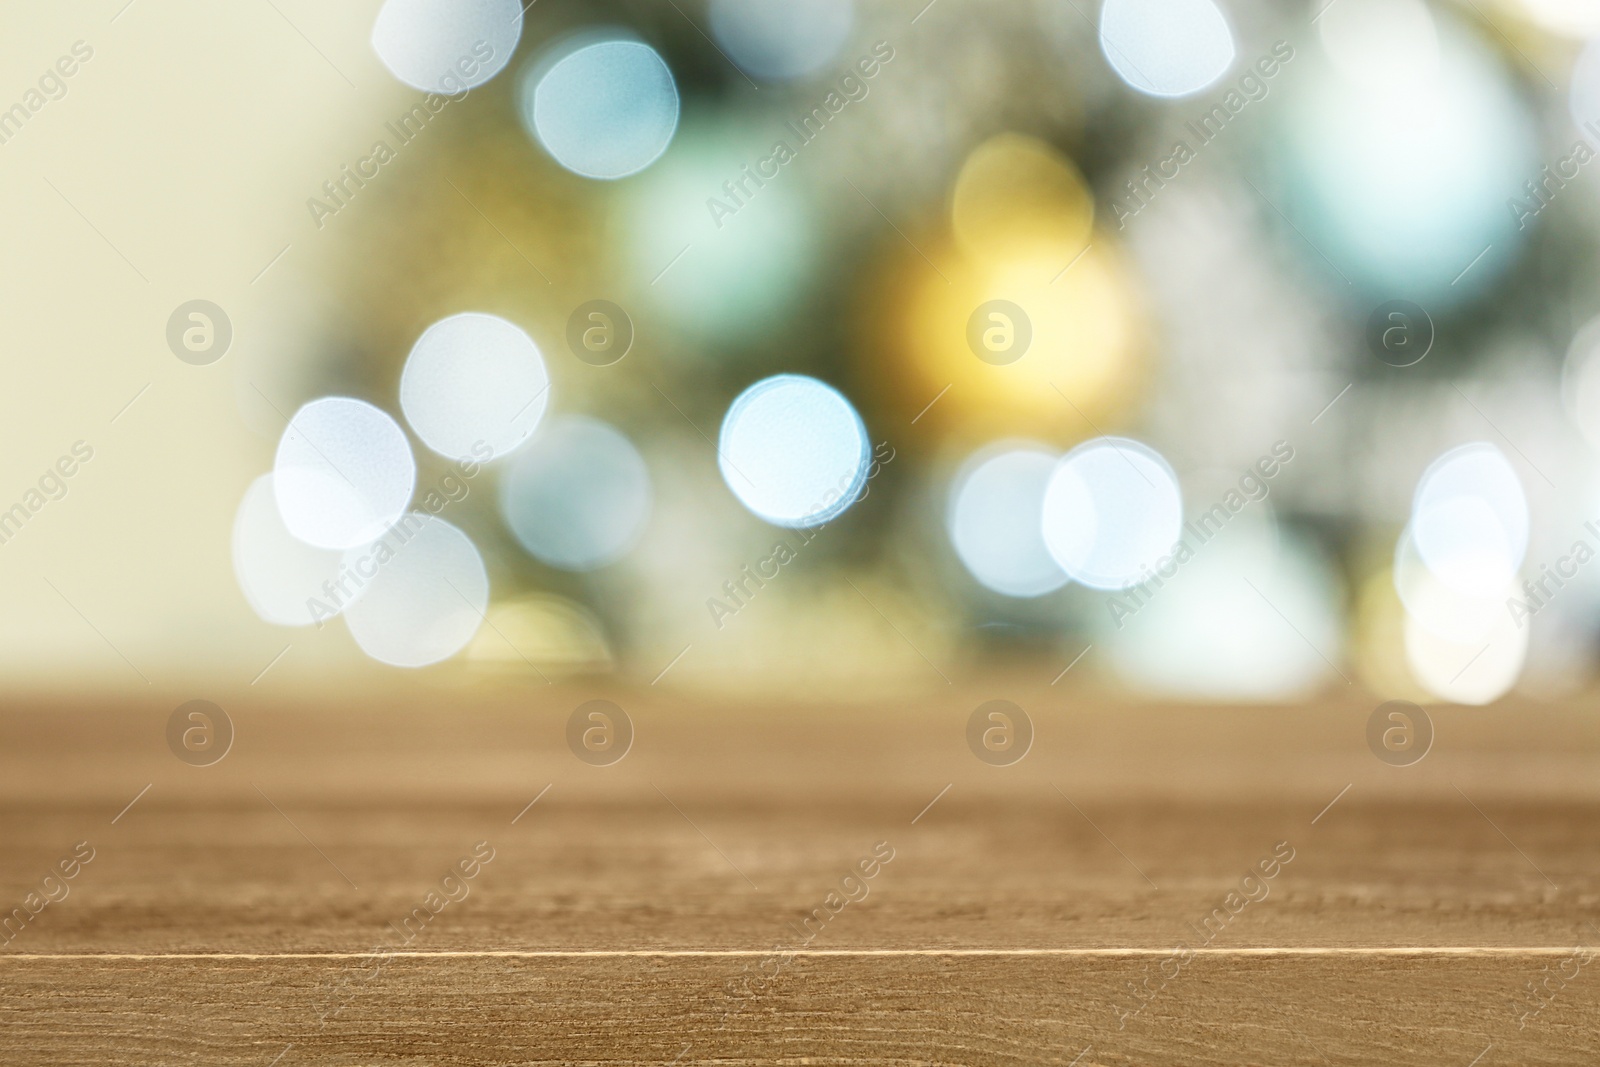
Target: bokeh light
<point>1021,240</point>
<point>1112,512</point>
<point>423,593</point>
<point>604,109</point>
<point>446,46</point>
<point>579,496</point>
<point>992,250</point>
<point>278,573</point>
<point>778,39</point>
<point>1578,19</point>
<point>1447,611</point>
<point>1381,45</point>
<point>1402,178</point>
<point>995,519</point>
<point>343,473</point>
<point>731,277</point>
<point>1254,615</point>
<point>1166,47</point>
<point>474,386</point>
<point>794,451</point>
<point>1378,643</point>
<point>1469,519</point>
<point>1018,198</point>
<point>1474,672</point>
<point>1455,569</point>
<point>1084,359</point>
<point>561,635</point>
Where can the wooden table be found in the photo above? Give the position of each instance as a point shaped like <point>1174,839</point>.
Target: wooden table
<point>675,907</point>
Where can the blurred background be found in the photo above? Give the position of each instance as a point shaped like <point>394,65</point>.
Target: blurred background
<point>1211,351</point>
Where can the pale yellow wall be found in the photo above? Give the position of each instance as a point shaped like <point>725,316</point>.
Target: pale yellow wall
<point>191,140</point>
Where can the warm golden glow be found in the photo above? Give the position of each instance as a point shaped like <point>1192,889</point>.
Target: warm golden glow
<point>543,632</point>
<point>1061,357</point>
<point>1015,196</point>
<point>1080,366</point>
<point>1379,641</point>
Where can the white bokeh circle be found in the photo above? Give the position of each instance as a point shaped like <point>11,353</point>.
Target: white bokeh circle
<point>1469,519</point>
<point>1166,47</point>
<point>446,46</point>
<point>472,382</point>
<point>578,496</point>
<point>343,473</point>
<point>793,450</point>
<point>606,109</point>
<point>1112,509</point>
<point>423,592</point>
<point>1476,672</point>
<point>995,519</point>
<point>781,39</point>
<point>279,574</point>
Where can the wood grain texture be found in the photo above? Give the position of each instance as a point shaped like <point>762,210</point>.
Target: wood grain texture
<point>273,899</point>
<point>899,1010</point>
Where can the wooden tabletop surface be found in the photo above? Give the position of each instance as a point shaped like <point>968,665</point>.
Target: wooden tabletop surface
<point>433,876</point>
